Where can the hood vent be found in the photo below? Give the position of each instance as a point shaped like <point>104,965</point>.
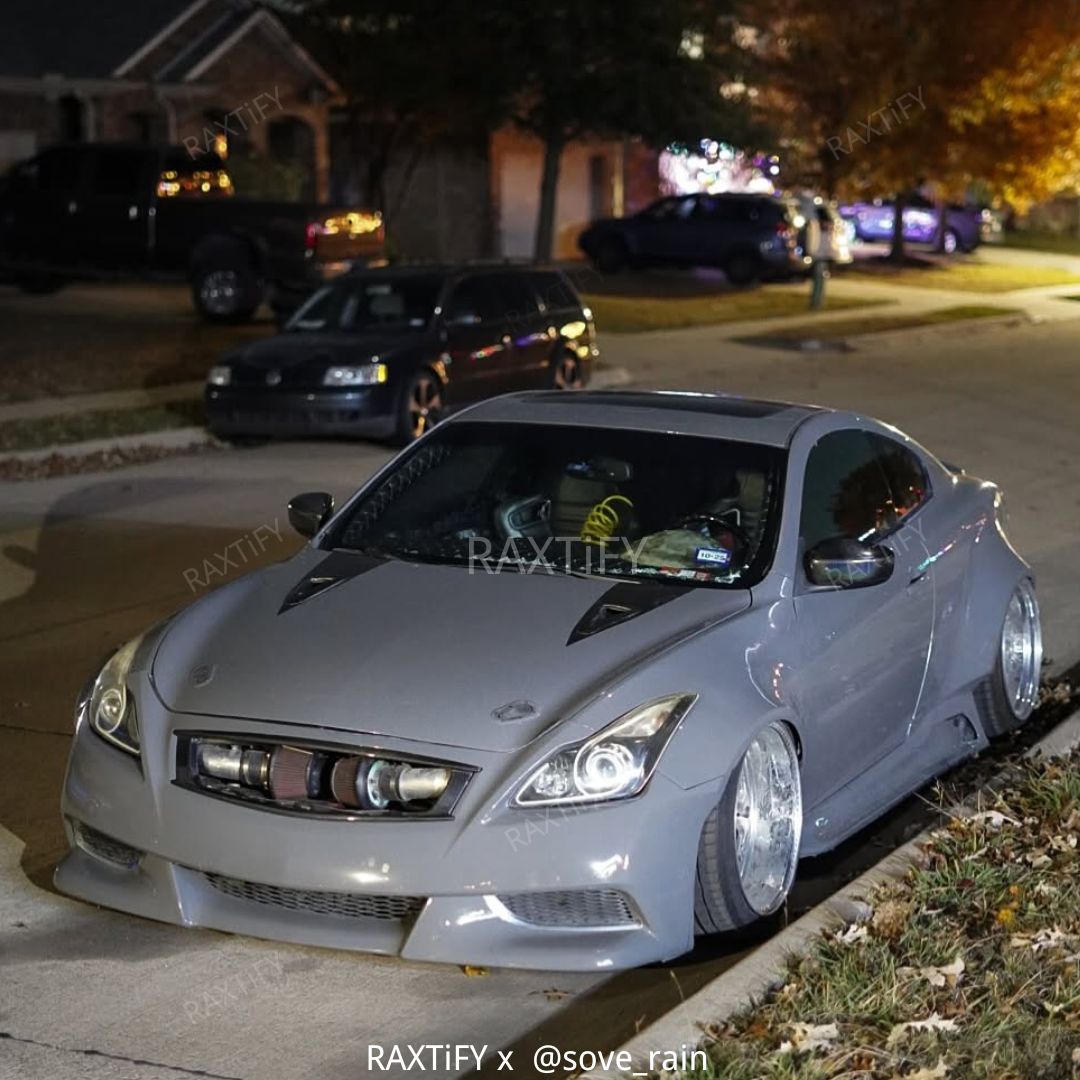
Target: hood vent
<point>623,602</point>
<point>337,567</point>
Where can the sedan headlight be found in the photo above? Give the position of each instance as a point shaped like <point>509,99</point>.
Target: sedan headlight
<point>111,711</point>
<point>363,375</point>
<point>615,763</point>
<point>220,375</point>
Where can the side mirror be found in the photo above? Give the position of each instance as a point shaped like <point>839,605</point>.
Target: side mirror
<point>841,563</point>
<point>309,512</point>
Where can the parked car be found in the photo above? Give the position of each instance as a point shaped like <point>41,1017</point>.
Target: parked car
<point>388,352</point>
<point>114,210</point>
<point>573,678</point>
<point>873,223</point>
<point>749,236</point>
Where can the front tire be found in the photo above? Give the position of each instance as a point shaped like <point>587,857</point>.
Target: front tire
<point>950,242</point>
<point>567,372</point>
<point>1009,696</point>
<point>420,407</point>
<point>749,847</point>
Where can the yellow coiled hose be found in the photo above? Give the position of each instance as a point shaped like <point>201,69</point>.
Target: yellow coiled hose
<point>603,519</point>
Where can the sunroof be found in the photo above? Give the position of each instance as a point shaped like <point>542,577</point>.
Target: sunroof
<point>748,408</point>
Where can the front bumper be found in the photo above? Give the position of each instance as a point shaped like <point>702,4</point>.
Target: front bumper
<point>369,410</point>
<point>465,890</point>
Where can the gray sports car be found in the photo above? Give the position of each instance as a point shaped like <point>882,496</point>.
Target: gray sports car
<point>572,679</point>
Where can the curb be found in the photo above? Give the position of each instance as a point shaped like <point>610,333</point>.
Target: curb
<point>764,969</point>
<point>170,439</point>
<point>43,408</point>
<point>957,328</point>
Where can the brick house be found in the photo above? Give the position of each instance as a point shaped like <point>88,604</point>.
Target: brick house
<point>227,74</point>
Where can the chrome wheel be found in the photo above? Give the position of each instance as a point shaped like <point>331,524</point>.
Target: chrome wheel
<point>219,291</point>
<point>567,374</point>
<point>768,819</point>
<point>425,404</point>
<point>1021,650</point>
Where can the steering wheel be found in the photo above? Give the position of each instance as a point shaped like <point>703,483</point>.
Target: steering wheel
<point>693,521</point>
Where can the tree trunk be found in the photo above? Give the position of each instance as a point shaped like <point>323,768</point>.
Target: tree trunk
<point>896,254</point>
<point>549,187</point>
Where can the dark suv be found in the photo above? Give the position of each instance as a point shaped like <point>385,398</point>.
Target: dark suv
<point>385,352</point>
<point>748,236</point>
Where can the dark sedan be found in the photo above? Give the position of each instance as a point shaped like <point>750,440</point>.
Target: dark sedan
<point>385,353</point>
<point>748,236</point>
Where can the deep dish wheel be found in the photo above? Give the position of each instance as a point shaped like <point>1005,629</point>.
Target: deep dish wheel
<point>749,847</point>
<point>420,407</point>
<point>1007,698</point>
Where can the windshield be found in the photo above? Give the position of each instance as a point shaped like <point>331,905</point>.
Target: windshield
<point>547,499</point>
<point>370,303</point>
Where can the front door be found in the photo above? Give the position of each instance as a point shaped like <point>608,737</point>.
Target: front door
<point>863,651</point>
<point>477,346</point>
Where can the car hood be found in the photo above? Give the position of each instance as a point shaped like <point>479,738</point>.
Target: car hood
<point>419,652</point>
<point>289,349</point>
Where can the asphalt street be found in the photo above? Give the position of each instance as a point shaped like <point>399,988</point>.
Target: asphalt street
<point>87,561</point>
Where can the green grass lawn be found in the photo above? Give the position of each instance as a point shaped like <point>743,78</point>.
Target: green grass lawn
<point>1055,243</point>
<point>635,314</point>
<point>968,968</point>
<point>965,276</point>
<point>870,324</point>
<point>101,424</point>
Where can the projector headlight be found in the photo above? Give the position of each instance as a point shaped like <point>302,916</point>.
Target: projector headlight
<point>111,709</point>
<point>614,764</point>
<point>362,375</point>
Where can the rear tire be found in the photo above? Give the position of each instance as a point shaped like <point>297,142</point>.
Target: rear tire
<point>225,286</point>
<point>742,268</point>
<point>567,372</point>
<point>741,881</point>
<point>1008,696</point>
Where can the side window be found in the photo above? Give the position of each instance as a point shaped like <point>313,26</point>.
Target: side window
<point>554,290</point>
<point>117,173</point>
<point>519,300</point>
<point>908,482</point>
<point>474,301</point>
<point>845,490</point>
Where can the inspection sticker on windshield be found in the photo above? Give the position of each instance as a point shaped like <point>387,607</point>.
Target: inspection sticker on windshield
<point>716,556</point>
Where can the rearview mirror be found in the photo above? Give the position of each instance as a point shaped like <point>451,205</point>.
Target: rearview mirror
<point>309,512</point>
<point>841,563</point>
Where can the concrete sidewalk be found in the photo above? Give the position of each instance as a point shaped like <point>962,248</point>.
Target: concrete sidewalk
<point>40,408</point>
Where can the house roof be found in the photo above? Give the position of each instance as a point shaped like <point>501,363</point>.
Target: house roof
<point>77,39</point>
<point>102,40</point>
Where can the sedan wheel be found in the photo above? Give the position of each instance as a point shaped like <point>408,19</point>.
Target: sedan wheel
<point>749,847</point>
<point>950,242</point>
<point>422,406</point>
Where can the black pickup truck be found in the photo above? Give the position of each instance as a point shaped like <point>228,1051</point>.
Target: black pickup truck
<point>102,210</point>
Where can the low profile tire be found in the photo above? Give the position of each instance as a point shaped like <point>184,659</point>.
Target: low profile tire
<point>227,289</point>
<point>1008,697</point>
<point>611,256</point>
<point>420,407</point>
<point>567,372</point>
<point>742,269</point>
<point>749,847</point>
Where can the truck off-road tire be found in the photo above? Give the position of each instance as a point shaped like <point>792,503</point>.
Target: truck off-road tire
<point>226,287</point>
<point>749,847</point>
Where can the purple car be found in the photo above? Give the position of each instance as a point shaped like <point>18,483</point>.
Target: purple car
<point>873,223</point>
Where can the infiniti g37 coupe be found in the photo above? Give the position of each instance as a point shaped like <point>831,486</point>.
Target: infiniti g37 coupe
<point>572,679</point>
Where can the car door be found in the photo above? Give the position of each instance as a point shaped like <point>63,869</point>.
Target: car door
<point>112,219</point>
<point>664,230</point>
<point>532,345</point>
<point>863,650</point>
<point>477,341</point>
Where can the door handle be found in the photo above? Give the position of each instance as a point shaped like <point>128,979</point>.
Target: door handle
<point>73,207</point>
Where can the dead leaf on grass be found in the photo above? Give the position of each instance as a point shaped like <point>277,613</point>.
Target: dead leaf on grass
<point>932,1023</point>
<point>807,1038</point>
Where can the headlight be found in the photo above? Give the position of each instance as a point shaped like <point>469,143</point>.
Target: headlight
<point>614,764</point>
<point>111,711</point>
<point>220,375</point>
<point>365,375</point>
